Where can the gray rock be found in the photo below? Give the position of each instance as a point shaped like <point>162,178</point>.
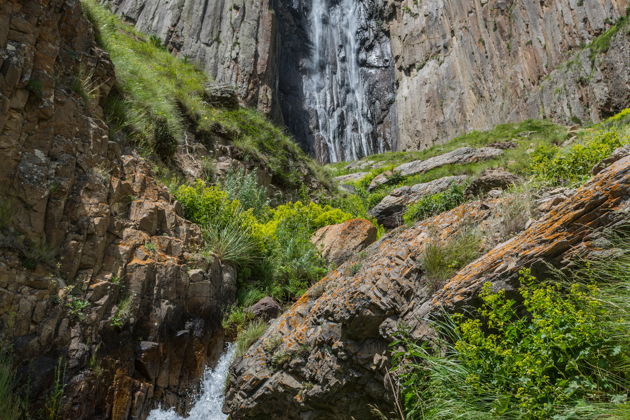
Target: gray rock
<point>266,308</point>
<point>389,212</point>
<point>457,156</point>
<point>491,179</point>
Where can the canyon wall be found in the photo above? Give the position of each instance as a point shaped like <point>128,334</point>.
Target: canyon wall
<point>99,283</point>
<point>471,64</point>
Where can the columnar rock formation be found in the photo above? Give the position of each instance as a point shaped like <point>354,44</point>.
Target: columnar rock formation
<point>465,65</point>
<point>97,275</point>
<point>327,356</point>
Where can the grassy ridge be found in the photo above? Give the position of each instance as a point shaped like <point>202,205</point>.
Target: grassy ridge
<point>161,98</point>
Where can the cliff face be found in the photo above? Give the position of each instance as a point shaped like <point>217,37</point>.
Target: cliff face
<point>97,274</point>
<point>327,356</point>
<point>468,65</point>
<point>234,41</point>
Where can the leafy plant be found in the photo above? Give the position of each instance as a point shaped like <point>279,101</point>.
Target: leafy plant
<point>244,187</point>
<point>77,306</point>
<point>571,166</point>
<point>436,203</point>
<point>556,350</point>
<point>122,313</point>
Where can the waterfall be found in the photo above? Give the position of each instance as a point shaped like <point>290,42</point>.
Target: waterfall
<point>210,400</point>
<point>334,90</point>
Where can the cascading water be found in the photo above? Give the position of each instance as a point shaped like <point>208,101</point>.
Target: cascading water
<point>333,86</point>
<point>210,401</point>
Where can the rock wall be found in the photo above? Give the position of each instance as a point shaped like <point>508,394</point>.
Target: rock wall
<point>464,65</point>
<point>234,41</point>
<point>327,356</point>
<point>98,274</point>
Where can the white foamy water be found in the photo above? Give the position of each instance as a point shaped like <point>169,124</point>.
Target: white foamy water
<point>333,87</point>
<point>210,400</point>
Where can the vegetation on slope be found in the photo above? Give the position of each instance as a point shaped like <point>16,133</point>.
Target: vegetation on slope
<point>161,98</point>
<point>557,349</point>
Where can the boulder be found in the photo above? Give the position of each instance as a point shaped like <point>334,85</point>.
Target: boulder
<point>491,179</point>
<point>389,212</point>
<point>380,180</point>
<point>221,96</point>
<point>266,308</point>
<point>339,242</point>
<point>457,156</point>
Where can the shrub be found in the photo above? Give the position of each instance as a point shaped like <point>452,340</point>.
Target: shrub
<point>558,350</point>
<point>244,187</point>
<point>554,166</point>
<point>441,260</point>
<point>434,204</point>
<point>248,336</point>
<point>236,320</point>
<point>232,242</point>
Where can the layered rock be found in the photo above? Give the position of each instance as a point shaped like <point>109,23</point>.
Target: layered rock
<point>98,274</point>
<point>337,243</point>
<point>327,357</point>
<point>389,212</point>
<point>468,65</point>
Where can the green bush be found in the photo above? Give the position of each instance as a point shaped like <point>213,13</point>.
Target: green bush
<point>554,166</point>
<point>244,187</point>
<point>232,242</point>
<point>434,204</point>
<point>556,351</point>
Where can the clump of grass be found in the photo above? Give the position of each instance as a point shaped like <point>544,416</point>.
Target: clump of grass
<point>248,336</point>
<point>434,204</point>
<point>440,260</point>
<point>517,211</point>
<point>11,404</point>
<point>232,242</point>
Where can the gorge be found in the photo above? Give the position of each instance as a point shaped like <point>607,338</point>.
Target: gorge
<point>314,209</point>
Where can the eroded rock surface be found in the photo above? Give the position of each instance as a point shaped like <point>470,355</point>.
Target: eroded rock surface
<point>458,156</point>
<point>330,349</point>
<point>97,264</point>
<point>337,243</point>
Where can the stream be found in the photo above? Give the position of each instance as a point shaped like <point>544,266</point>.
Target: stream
<point>210,399</point>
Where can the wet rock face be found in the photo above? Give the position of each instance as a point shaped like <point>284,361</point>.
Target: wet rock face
<point>466,65</point>
<point>326,357</point>
<point>96,261</point>
<point>336,77</point>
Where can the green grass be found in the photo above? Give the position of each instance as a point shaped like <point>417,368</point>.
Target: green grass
<point>601,44</point>
<point>556,348</point>
<point>11,404</point>
<point>248,336</point>
<point>440,260</point>
<point>434,204</point>
<point>161,97</point>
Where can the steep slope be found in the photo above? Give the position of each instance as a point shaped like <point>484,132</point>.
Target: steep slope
<point>96,270</point>
<point>328,355</point>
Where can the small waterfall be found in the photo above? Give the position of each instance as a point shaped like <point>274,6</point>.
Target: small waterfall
<point>334,89</point>
<point>210,400</point>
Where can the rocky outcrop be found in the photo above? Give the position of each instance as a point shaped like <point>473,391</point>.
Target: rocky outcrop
<point>337,243</point>
<point>327,356</point>
<point>491,179</point>
<point>98,271</point>
<point>389,212</point>
<point>458,156</point>
<point>234,41</point>
<point>467,65</point>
